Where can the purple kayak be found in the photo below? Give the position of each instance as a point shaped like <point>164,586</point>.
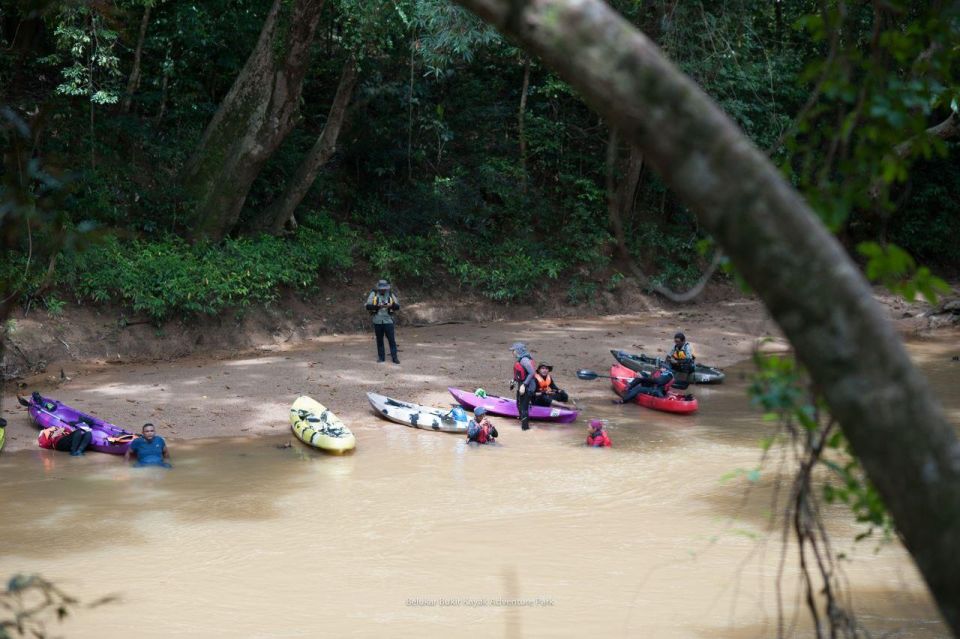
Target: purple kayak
<point>508,407</point>
<point>107,438</point>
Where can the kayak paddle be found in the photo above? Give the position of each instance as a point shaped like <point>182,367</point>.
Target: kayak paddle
<point>587,374</point>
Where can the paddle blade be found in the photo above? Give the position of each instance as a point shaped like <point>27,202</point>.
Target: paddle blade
<point>22,401</point>
<point>583,373</point>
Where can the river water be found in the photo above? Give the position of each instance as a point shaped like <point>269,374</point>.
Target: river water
<point>417,534</point>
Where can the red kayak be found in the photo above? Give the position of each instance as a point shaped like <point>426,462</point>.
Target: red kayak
<point>674,402</point>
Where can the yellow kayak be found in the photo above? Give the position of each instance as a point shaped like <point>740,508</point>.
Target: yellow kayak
<point>315,425</point>
<point>3,432</point>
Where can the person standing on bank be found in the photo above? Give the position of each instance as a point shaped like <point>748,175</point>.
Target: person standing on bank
<point>524,376</point>
<point>382,304</point>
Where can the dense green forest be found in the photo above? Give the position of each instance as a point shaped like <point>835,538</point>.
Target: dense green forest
<point>186,157</point>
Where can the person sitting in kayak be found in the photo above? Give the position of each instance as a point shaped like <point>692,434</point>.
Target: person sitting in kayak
<point>66,438</point>
<point>547,392</point>
<point>480,430</point>
<point>597,436</point>
<point>656,384</point>
<point>149,449</point>
<point>681,358</point>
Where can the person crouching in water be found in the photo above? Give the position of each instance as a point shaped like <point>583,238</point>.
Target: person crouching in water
<point>597,437</point>
<point>657,384</point>
<point>547,393</point>
<point>480,430</point>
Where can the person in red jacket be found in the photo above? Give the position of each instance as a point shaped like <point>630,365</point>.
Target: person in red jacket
<point>65,438</point>
<point>480,430</point>
<point>598,437</point>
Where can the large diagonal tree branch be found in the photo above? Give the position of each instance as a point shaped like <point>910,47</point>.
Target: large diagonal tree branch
<point>808,283</point>
<point>946,130</point>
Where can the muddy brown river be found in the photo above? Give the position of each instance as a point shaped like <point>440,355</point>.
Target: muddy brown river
<point>418,535</point>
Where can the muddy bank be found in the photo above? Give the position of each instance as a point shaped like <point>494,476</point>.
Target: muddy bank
<point>39,342</point>
<point>247,389</point>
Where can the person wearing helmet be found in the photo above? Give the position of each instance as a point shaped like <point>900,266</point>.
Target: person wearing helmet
<point>382,304</point>
<point>656,384</point>
<point>524,378</point>
<point>480,430</point>
<point>597,436</point>
<point>681,358</point>
<point>547,393</point>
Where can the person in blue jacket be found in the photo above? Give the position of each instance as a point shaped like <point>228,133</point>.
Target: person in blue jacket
<point>150,449</point>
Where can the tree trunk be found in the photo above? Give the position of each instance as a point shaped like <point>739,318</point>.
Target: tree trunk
<point>811,287</point>
<point>413,50</point>
<point>281,210</point>
<point>627,190</point>
<point>521,122</point>
<point>134,82</point>
<point>256,115</point>
<point>613,197</point>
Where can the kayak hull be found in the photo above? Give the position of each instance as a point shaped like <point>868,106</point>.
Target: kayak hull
<point>106,437</point>
<point>508,407</point>
<point>674,402</point>
<point>317,426</point>
<point>415,415</point>
<point>644,363</point>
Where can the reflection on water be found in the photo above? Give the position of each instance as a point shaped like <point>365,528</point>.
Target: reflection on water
<point>417,534</point>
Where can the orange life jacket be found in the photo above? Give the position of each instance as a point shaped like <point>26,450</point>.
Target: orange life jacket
<point>543,383</point>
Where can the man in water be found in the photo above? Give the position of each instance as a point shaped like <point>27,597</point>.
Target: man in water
<point>149,449</point>
<point>382,304</point>
<point>480,429</point>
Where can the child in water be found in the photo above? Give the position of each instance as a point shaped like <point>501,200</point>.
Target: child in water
<point>480,429</point>
<point>597,436</point>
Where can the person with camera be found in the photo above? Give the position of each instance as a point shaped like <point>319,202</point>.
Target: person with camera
<point>382,304</point>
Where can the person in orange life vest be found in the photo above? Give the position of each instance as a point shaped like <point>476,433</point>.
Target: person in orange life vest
<point>681,358</point>
<point>547,392</point>
<point>597,437</point>
<point>657,384</point>
<point>480,430</point>
<point>65,438</point>
<point>524,378</point>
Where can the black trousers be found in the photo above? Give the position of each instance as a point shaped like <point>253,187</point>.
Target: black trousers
<point>75,442</point>
<point>523,406</point>
<point>545,399</point>
<point>647,386</point>
<point>388,330</point>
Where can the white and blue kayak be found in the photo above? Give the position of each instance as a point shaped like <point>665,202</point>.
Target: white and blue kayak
<point>452,420</point>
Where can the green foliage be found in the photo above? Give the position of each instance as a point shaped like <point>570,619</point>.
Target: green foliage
<point>780,389</point>
<point>85,47</point>
<point>54,305</point>
<point>897,270</point>
<point>169,277</point>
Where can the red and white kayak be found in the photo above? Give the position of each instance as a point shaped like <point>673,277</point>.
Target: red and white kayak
<point>674,402</point>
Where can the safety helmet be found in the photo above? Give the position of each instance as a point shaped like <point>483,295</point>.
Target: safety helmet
<point>680,336</point>
<point>479,411</point>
